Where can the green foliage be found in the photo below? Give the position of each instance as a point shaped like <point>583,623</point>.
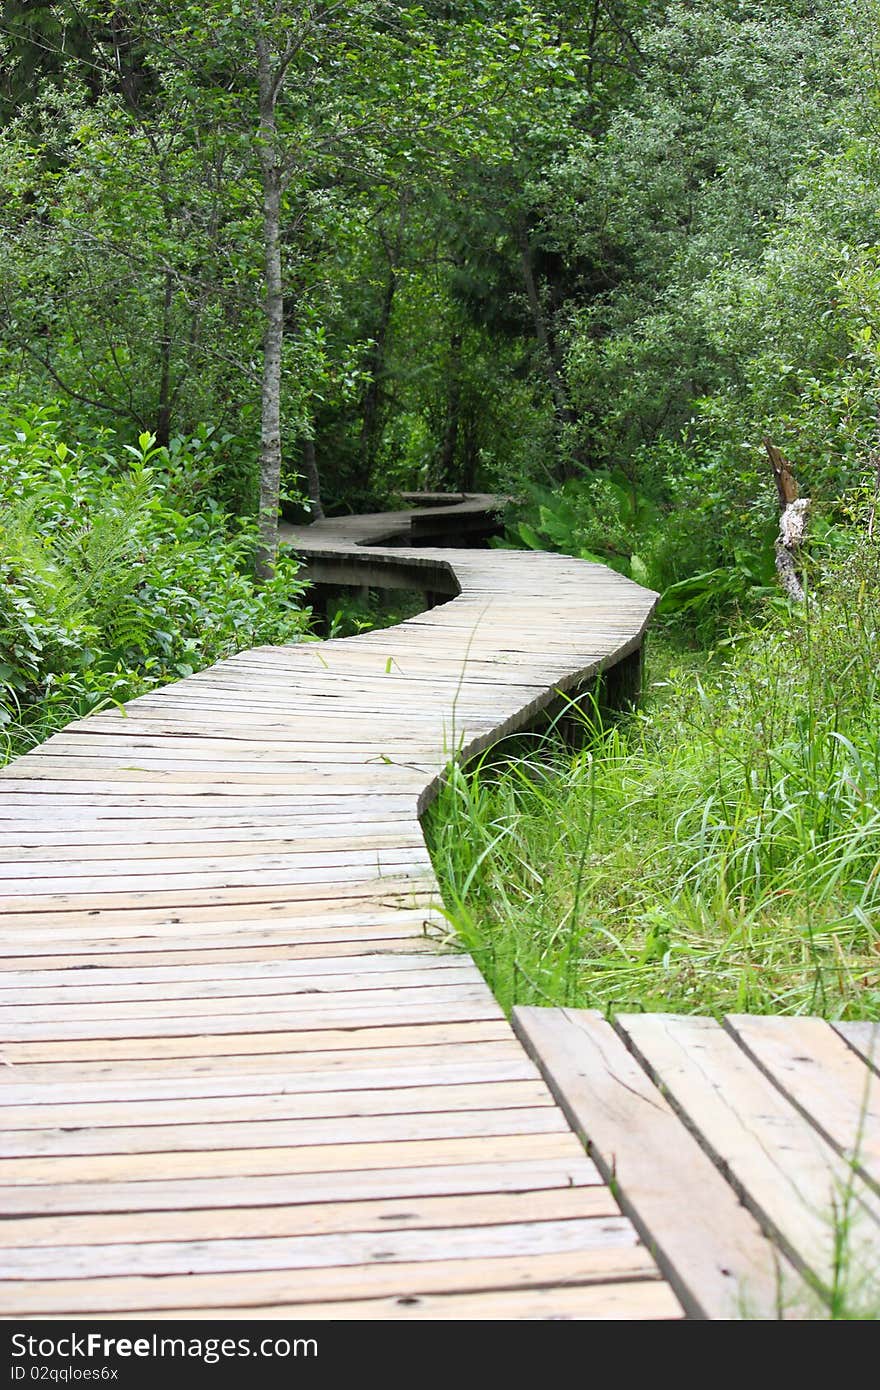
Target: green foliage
<point>675,189</point>
<point>717,852</point>
<point>605,517</point>
<point>520,245</point>
<point>119,572</point>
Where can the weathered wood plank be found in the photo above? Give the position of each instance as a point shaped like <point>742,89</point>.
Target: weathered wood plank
<point>96,955</point>
<point>266,1074</point>
<point>221,1193</point>
<point>279,1104</point>
<point>644,1300</point>
<point>255,1162</point>
<point>709,1247</point>
<point>823,1078</point>
<point>534,1203</point>
<point>93,1297</point>
<point>317,974</point>
<point>344,1038</point>
<point>469,1004</point>
<point>114,1018</point>
<point>244,1255</point>
<point>200,861</point>
<point>197,993</point>
<point>863,1038</point>
<point>253,1133</point>
<point>785,1172</point>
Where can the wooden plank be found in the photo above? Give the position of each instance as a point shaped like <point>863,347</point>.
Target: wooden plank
<point>318,974</point>
<point>245,1255</point>
<point>408,871</point>
<point>329,917</point>
<point>226,1135</point>
<point>288,1073</point>
<point>63,846</point>
<point>172,948</point>
<point>77,937</point>
<point>42,776</point>
<point>710,1249</point>
<point>389,1214</point>
<point>784,1171</point>
<point>111,1017</point>
<point>827,1082</point>
<point>643,1300</point>
<point>255,1162</point>
<point>863,1038</point>
<point>94,860</point>
<point>43,810</point>
<point>194,989</point>
<point>256,748</point>
<point>281,1104</point>
<point>96,955</point>
<point>273,1190</point>
<point>409,892</point>
<point>621,1259</point>
<point>346,1038</point>
<point>419,1006</point>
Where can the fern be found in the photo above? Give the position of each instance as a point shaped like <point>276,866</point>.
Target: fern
<point>128,628</point>
<point>98,560</point>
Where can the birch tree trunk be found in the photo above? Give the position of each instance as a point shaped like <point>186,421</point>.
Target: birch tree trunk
<point>273,341</point>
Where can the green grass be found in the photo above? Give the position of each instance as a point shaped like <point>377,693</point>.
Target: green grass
<point>719,850</point>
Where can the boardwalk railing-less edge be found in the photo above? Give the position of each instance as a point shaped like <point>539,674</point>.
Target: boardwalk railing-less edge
<point>240,1078</point>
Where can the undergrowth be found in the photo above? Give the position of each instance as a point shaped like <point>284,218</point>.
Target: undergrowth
<point>118,572</point>
<point>717,851</point>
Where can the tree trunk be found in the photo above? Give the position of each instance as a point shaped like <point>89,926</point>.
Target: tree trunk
<point>471,452</point>
<point>312,480</point>
<point>542,332</point>
<point>371,407</point>
<point>163,413</point>
<point>794,514</point>
<point>449,443</point>
<point>270,420</point>
<point>375,367</point>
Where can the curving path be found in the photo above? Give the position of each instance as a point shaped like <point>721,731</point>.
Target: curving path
<point>240,1075</point>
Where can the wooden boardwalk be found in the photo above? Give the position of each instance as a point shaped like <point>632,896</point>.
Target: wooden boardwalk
<point>239,1076</point>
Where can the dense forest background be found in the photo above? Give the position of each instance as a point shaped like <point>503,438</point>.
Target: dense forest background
<point>271,257</point>
<point>586,254</point>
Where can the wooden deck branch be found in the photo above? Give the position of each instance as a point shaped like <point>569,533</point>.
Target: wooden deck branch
<point>794,516</point>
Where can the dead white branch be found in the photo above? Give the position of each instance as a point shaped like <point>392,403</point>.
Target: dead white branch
<point>794,516</point>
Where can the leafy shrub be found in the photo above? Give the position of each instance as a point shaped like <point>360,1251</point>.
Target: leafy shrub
<point>118,572</point>
<point>602,517</point>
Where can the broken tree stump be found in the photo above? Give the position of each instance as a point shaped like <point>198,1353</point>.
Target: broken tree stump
<point>794,515</point>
